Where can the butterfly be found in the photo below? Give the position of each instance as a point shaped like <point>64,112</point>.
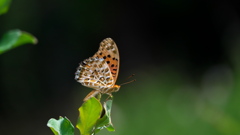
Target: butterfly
<point>100,71</point>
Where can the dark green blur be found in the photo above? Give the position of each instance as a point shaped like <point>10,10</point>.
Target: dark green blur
<point>185,55</point>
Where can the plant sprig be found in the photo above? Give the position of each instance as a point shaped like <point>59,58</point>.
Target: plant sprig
<point>93,117</point>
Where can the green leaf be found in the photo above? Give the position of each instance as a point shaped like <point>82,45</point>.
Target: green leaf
<point>4,5</point>
<point>63,126</point>
<point>90,112</point>
<point>110,128</point>
<point>15,38</point>
<point>105,121</point>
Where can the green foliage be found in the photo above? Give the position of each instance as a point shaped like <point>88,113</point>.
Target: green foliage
<point>15,38</point>
<point>105,121</point>
<point>93,117</point>
<point>63,126</point>
<point>90,112</point>
<point>4,6</point>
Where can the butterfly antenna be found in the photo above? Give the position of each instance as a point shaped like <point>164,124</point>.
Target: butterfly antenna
<point>128,82</point>
<point>129,77</point>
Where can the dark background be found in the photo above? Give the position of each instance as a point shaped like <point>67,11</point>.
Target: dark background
<point>185,55</point>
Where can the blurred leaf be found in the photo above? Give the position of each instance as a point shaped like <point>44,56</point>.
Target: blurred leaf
<point>90,112</point>
<point>63,126</point>
<point>4,5</point>
<point>111,128</point>
<point>15,38</point>
<point>105,121</point>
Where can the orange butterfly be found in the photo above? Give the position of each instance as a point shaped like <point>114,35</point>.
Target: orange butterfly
<point>100,72</point>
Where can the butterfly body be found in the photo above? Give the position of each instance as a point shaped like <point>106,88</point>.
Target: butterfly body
<point>100,72</point>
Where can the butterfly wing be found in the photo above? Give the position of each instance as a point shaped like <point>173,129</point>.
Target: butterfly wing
<point>94,73</point>
<point>109,52</point>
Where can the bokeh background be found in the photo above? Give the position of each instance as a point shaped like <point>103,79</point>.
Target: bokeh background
<point>185,55</point>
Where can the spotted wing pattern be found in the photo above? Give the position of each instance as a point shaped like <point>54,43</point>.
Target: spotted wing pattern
<point>108,50</point>
<point>100,72</point>
<point>94,73</point>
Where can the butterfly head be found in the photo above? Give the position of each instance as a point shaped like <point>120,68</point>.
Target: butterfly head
<point>116,88</point>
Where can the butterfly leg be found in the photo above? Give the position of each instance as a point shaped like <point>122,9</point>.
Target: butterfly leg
<point>109,96</point>
<point>91,94</point>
